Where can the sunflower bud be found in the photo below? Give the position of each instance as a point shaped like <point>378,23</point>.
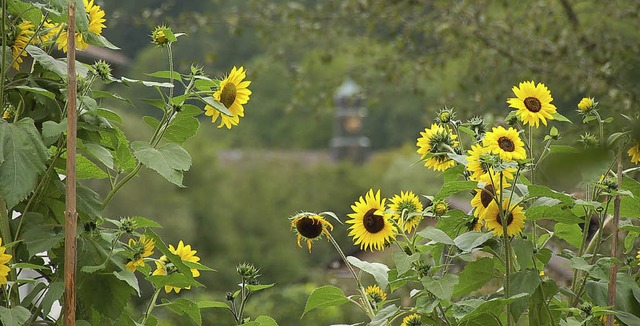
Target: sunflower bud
<point>421,267</point>
<point>127,224</point>
<point>159,36</point>
<point>445,116</point>
<point>102,69</point>
<point>247,271</point>
<point>586,105</point>
<point>440,208</point>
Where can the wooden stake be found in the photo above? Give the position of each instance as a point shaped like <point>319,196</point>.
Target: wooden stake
<point>613,276</point>
<point>71,215</point>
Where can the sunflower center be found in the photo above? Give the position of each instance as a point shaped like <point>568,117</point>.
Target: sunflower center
<point>486,195</point>
<point>533,104</point>
<point>509,219</point>
<point>373,223</point>
<point>506,144</point>
<point>309,228</point>
<point>228,95</point>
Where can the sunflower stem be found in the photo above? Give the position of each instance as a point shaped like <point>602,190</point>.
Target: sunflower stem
<point>366,305</point>
<point>152,304</point>
<point>507,255</point>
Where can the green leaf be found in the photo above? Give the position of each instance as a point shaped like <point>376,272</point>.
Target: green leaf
<point>403,261</point>
<point>98,152</point>
<point>105,293</point>
<point>166,74</point>
<point>553,213</point>
<point>48,62</point>
<point>25,10</point>
<point>89,202</point>
<point>184,125</point>
<point>188,307</point>
<point>538,315</point>
<point>52,129</point>
<point>37,90</point>
<point>258,287</point>
<point>442,287</point>
<point>53,294</point>
<point>212,304</point>
<point>629,207</point>
<point>382,316</point>
<point>559,117</point>
<point>455,187</point>
<point>523,282</point>
<point>169,161</point>
<point>543,191</point>
<point>266,321</point>
<point>571,233</point>
<point>100,41</point>
<point>142,222</point>
<point>471,240</point>
<point>110,115</point>
<point>377,270</point>
<point>597,291</point>
<point>152,122</point>
<point>523,249</point>
<point>474,276</point>
<point>22,159</point>
<point>15,316</point>
<point>217,105</point>
<point>492,306</point>
<point>126,81</point>
<point>628,318</point>
<point>129,278</point>
<point>86,169</point>
<point>37,235</point>
<point>431,233</point>
<point>563,149</point>
<point>323,297</point>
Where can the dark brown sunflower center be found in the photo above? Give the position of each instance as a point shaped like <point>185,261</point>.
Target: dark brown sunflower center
<point>373,223</point>
<point>228,95</point>
<point>506,144</point>
<point>308,227</point>
<point>486,195</point>
<point>532,104</point>
<point>509,219</point>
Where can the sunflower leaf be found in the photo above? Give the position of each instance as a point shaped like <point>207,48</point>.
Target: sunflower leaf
<point>559,117</point>
<point>323,297</point>
<point>377,270</point>
<point>217,105</point>
<point>442,287</point>
<point>436,235</point>
<point>455,187</point>
<point>474,276</point>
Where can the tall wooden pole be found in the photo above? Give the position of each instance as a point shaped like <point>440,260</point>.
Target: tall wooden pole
<point>613,276</point>
<point>71,215</point>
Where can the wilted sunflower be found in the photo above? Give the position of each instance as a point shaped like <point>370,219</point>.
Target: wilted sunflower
<point>437,141</point>
<point>186,254</point>
<point>634,153</point>
<point>407,207</point>
<point>141,249</point>
<point>371,226</point>
<point>23,35</point>
<point>96,19</point>
<point>310,227</point>
<point>4,259</point>
<point>233,94</point>
<point>533,103</point>
<point>514,215</point>
<point>505,143</point>
<point>412,320</point>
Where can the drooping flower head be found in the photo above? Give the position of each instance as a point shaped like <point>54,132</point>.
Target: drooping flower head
<point>634,153</point>
<point>4,259</point>
<point>533,103</point>
<point>506,143</point>
<point>437,141</point>
<point>375,294</point>
<point>163,267</point>
<point>95,15</point>
<point>412,320</point>
<point>407,210</point>
<point>23,35</point>
<point>586,104</point>
<point>371,227</point>
<point>233,93</point>
<point>514,216</point>
<point>310,227</point>
<point>140,249</point>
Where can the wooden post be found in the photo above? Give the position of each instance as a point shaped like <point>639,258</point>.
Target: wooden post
<point>613,276</point>
<point>71,215</point>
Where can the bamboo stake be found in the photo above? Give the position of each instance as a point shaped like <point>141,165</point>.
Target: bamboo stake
<point>613,277</point>
<point>71,214</point>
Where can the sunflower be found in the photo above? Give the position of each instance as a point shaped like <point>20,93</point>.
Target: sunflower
<point>475,224</point>
<point>477,167</point>
<point>506,143</point>
<point>489,191</point>
<point>310,227</point>
<point>586,104</point>
<point>437,141</point>
<point>514,215</point>
<point>412,320</point>
<point>407,208</point>
<point>375,294</point>
<point>232,93</point>
<point>96,23</point>
<point>634,153</point>
<point>4,259</point>
<point>163,267</point>
<point>533,103</point>
<point>141,249</point>
<point>638,256</point>
<point>23,36</point>
<point>371,227</point>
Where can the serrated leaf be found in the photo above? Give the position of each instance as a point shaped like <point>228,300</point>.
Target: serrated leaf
<point>17,315</point>
<point>543,191</point>
<point>554,213</point>
<point>22,158</point>
<point>105,293</point>
<point>39,236</point>
<point>100,153</point>
<point>258,287</point>
<point>110,115</point>
<point>86,169</point>
<point>188,307</point>
<point>436,235</point>
<point>377,270</point>
<point>442,287</point>
<point>184,125</point>
<point>571,233</point>
<point>169,160</point>
<point>474,276</point>
<point>323,297</point>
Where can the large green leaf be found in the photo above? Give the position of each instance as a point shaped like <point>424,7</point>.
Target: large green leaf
<point>382,317</point>
<point>538,314</point>
<point>326,296</point>
<point>188,307</point>
<point>262,321</point>
<point>380,272</point>
<point>455,187</point>
<point>493,306</point>
<point>15,316</point>
<point>53,294</point>
<point>629,206</point>
<point>522,282</point>
<point>22,159</point>
<point>441,287</point>
<point>169,161</point>
<point>37,235</point>
<point>571,233</point>
<point>474,276</point>
<point>86,169</point>
<point>597,291</point>
<point>436,235</point>
<point>184,125</point>
<point>52,64</point>
<point>105,293</point>
<point>471,240</point>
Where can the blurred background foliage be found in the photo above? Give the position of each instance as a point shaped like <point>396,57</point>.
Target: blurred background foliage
<point>411,57</point>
